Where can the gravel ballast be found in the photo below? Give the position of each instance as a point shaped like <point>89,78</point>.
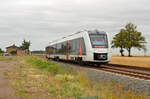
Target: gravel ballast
<point>138,85</point>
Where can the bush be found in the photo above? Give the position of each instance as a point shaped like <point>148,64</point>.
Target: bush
<point>64,78</point>
<point>45,65</point>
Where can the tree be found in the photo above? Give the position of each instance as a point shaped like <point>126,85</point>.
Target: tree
<point>133,38</point>
<point>1,51</point>
<point>128,38</point>
<point>25,45</point>
<point>119,41</point>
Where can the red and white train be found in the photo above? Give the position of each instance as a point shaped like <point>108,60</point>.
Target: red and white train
<point>83,47</point>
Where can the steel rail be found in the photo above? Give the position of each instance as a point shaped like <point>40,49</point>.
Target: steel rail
<point>128,72</point>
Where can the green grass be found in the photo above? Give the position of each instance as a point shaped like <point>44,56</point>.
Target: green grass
<point>45,65</point>
<point>36,78</point>
<point>5,58</point>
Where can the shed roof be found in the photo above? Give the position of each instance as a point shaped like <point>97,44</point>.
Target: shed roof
<point>13,46</point>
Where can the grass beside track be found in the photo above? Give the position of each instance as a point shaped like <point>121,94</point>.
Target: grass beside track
<point>140,61</point>
<point>37,78</point>
<point>2,58</point>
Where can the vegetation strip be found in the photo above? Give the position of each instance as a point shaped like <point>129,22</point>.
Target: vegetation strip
<point>5,59</point>
<point>35,77</point>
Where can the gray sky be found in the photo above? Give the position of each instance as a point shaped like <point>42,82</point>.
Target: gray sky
<point>44,20</point>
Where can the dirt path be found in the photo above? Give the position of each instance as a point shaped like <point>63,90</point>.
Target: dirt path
<point>6,90</point>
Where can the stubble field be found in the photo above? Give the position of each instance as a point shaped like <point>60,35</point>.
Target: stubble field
<point>141,61</point>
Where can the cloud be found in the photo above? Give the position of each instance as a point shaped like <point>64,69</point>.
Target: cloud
<point>44,20</point>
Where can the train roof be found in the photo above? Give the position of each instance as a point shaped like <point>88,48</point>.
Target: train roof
<point>96,32</point>
<point>87,31</point>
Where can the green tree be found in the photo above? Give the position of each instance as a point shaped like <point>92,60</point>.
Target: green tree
<point>119,41</point>
<point>133,38</point>
<point>25,45</point>
<point>128,38</point>
<point>1,51</point>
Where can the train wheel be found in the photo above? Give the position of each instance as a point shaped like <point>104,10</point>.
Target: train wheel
<point>105,63</point>
<point>96,64</point>
<point>57,59</point>
<point>80,62</point>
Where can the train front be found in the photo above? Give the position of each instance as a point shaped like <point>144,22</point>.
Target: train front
<point>100,49</point>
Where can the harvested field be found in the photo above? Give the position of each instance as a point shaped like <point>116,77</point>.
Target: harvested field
<point>141,61</point>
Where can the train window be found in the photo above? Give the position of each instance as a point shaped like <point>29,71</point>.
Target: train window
<point>54,49</point>
<point>71,47</point>
<point>74,46</point>
<point>83,46</point>
<point>99,40</point>
<point>63,48</point>
<point>59,48</point>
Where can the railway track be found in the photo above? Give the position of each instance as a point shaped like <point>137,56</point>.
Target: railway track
<point>142,73</point>
<point>131,71</point>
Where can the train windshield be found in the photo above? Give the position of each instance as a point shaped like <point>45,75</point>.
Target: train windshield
<point>99,40</point>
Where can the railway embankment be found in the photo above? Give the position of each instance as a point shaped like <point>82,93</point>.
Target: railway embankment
<point>132,83</point>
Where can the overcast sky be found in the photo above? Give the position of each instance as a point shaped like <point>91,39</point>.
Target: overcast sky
<point>44,20</point>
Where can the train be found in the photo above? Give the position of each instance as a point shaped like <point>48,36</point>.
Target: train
<point>84,47</point>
